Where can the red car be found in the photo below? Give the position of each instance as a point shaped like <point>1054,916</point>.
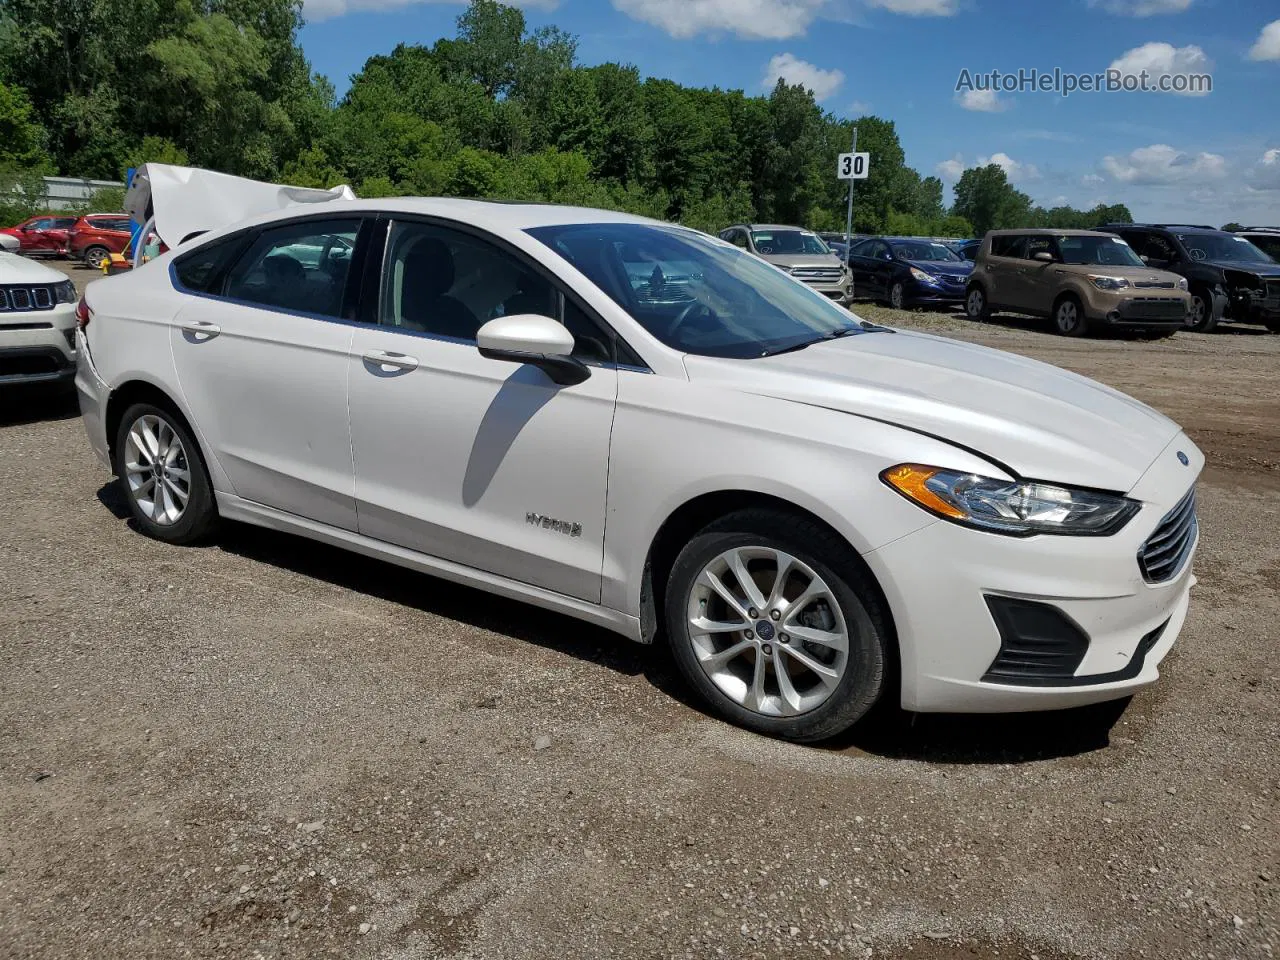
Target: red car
<point>45,235</point>
<point>96,236</point>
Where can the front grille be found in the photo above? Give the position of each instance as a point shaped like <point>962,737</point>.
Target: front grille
<point>1154,284</point>
<point>13,297</point>
<point>28,364</point>
<point>818,274</point>
<point>1155,308</point>
<point>1165,554</point>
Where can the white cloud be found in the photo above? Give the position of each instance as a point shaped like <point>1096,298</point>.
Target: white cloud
<point>1092,179</point>
<point>1162,164</point>
<point>1165,60</point>
<point>1142,8</point>
<point>316,10</point>
<point>1015,171</point>
<point>790,68</point>
<point>1265,174</point>
<point>983,101</point>
<point>918,8</point>
<point>950,170</point>
<point>1268,45</point>
<point>859,108</point>
<point>750,19</point>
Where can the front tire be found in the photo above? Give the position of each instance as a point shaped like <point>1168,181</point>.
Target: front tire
<point>95,256</point>
<point>163,476</point>
<point>976,307</point>
<point>898,296</point>
<point>1201,319</point>
<point>773,621</point>
<point>1068,317</point>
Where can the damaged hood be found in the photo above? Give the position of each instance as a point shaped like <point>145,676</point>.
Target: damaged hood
<point>187,200</point>
<point>1042,422</point>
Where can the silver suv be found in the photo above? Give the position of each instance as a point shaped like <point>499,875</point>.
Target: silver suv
<point>798,252</point>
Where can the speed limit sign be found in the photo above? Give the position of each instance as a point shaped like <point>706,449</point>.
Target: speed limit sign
<point>853,166</point>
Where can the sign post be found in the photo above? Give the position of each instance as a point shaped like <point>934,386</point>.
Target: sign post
<point>852,166</point>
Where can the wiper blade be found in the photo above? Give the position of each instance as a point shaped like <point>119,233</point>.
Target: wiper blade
<point>833,335</point>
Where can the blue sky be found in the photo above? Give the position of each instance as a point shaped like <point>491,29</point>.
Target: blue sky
<point>1205,158</point>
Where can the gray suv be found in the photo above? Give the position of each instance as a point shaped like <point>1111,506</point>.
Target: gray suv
<point>798,252</point>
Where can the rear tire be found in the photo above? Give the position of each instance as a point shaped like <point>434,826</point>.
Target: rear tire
<point>163,476</point>
<point>1068,317</point>
<point>812,660</point>
<point>94,257</point>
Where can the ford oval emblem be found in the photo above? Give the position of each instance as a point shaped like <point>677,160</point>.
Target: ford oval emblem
<point>1184,459</point>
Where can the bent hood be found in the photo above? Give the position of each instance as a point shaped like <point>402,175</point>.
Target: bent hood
<point>187,200</point>
<point>1042,422</point>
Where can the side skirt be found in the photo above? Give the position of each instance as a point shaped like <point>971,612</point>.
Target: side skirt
<point>246,511</point>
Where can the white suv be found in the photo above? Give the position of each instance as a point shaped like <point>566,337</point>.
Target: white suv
<point>37,322</point>
<point>651,430</point>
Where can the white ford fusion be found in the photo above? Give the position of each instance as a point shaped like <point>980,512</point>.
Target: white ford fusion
<point>648,429</point>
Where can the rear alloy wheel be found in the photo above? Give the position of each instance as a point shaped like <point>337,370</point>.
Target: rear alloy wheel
<point>1200,319</point>
<point>1069,318</point>
<point>769,633</point>
<point>975,305</point>
<point>95,257</point>
<point>897,296</point>
<point>163,477</point>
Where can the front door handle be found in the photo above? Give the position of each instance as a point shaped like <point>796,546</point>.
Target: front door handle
<point>202,329</point>
<point>384,359</point>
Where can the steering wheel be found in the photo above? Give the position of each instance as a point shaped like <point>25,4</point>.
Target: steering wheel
<point>697,308</point>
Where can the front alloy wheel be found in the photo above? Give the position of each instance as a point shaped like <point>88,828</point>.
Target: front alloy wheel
<point>975,305</point>
<point>1200,318</point>
<point>772,618</point>
<point>768,631</point>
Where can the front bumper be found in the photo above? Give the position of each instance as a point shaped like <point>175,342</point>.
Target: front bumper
<point>940,583</point>
<point>922,293</point>
<point>38,346</point>
<point>841,293</point>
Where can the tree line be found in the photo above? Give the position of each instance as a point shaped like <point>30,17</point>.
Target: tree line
<point>91,87</point>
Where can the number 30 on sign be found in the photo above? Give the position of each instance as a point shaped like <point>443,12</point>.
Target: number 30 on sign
<point>853,166</point>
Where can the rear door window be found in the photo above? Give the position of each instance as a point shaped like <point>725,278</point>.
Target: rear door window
<point>201,270</point>
<point>301,267</point>
<point>1008,246</point>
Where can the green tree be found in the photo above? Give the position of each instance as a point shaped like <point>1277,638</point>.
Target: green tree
<point>22,138</point>
<point>988,201</point>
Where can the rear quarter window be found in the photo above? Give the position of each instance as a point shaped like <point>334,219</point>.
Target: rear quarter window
<point>201,270</point>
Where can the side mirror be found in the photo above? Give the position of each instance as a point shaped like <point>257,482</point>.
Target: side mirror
<point>540,341</point>
<point>1044,256</point>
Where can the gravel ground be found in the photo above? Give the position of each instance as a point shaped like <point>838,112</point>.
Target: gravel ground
<point>265,748</point>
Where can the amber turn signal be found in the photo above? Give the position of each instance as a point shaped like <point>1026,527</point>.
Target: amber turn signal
<point>911,480</point>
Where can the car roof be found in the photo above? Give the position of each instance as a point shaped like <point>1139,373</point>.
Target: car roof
<point>1050,232</point>
<point>775,226</point>
<point>1172,227</point>
<point>495,215</point>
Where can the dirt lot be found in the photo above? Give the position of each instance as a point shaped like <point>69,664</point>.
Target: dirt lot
<point>266,748</point>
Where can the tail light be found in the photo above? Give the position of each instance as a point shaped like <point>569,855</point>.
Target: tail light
<point>83,313</point>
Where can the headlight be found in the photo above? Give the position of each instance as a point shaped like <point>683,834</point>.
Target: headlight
<point>1108,283</point>
<point>1182,283</point>
<point>1012,507</point>
<point>64,292</point>
<point>922,276</point>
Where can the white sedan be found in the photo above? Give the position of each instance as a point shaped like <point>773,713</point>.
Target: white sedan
<point>648,429</point>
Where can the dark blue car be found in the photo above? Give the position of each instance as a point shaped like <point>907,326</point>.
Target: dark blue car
<point>906,272</point>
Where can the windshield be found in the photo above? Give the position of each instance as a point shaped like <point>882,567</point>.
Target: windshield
<point>1111,251</point>
<point>786,242</point>
<point>923,250</point>
<point>1214,246</point>
<point>696,294</point>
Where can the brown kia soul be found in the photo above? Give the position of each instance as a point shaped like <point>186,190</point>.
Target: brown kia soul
<point>1082,280</point>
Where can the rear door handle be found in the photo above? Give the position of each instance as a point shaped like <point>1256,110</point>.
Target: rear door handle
<point>383,358</point>
<point>202,329</point>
